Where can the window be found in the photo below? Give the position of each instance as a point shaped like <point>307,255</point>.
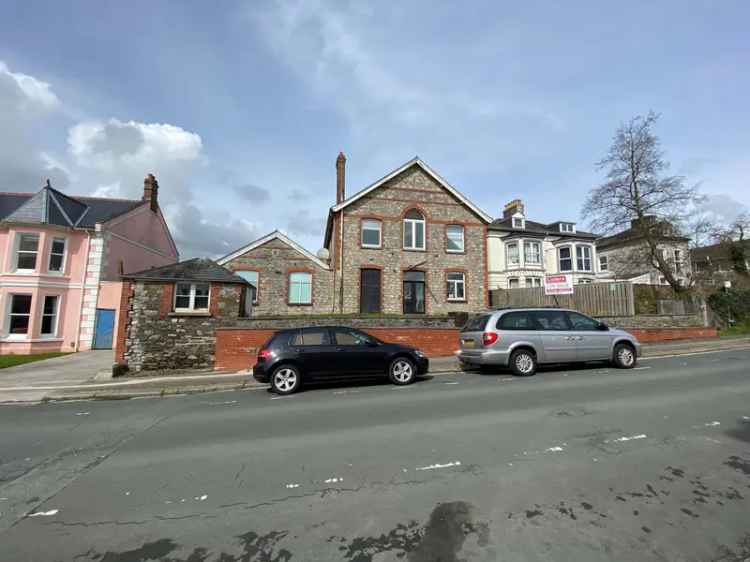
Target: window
<point>566,261</point>
<point>603,263</point>
<point>311,336</point>
<point>533,282</point>
<point>300,288</point>
<point>678,261</point>
<point>516,321</point>
<point>414,292</point>
<point>371,233</point>
<point>518,222</point>
<point>584,281</point>
<point>49,316</point>
<point>251,277</point>
<point>28,245</point>
<point>455,235</point>
<point>511,254</point>
<point>513,283</point>
<point>581,322</point>
<point>532,253</point>
<point>57,255</point>
<point>551,320</point>
<point>567,227</point>
<point>414,231</point>
<point>191,297</point>
<point>456,286</point>
<point>476,323</point>
<point>583,258</point>
<point>344,336</point>
<point>20,312</point>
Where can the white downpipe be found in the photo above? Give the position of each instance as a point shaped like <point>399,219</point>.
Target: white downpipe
<point>83,290</point>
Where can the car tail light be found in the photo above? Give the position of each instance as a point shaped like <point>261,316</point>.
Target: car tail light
<point>488,338</point>
<point>264,354</point>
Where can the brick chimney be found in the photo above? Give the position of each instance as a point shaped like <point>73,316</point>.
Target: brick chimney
<point>513,207</point>
<point>340,178</point>
<point>151,191</point>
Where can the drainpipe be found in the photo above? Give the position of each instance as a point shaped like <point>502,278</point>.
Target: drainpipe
<point>341,266</point>
<point>83,290</point>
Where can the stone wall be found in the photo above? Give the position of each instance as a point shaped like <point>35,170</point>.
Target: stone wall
<point>274,261</point>
<point>643,321</point>
<point>155,339</point>
<point>412,189</point>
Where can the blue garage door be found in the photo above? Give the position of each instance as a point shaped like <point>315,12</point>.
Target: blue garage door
<point>104,328</point>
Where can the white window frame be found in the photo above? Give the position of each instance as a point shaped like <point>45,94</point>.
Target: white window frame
<point>585,248</point>
<point>568,227</point>
<point>191,307</point>
<point>533,282</point>
<point>526,260</point>
<point>289,296</point>
<point>17,251</point>
<point>448,238</point>
<point>508,246</point>
<point>603,263</point>
<point>454,284</point>
<point>9,314</point>
<point>411,225</point>
<point>519,223</point>
<point>571,258</point>
<point>379,230</point>
<point>517,280</point>
<point>55,316</point>
<point>61,271</point>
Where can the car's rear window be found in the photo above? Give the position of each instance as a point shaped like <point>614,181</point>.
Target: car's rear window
<point>476,324</point>
<point>520,320</point>
<point>311,336</point>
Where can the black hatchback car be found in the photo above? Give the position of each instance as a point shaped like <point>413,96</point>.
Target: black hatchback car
<point>330,353</point>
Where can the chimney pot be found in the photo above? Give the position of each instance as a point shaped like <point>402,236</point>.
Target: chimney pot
<point>340,178</point>
<point>513,207</point>
<point>151,191</point>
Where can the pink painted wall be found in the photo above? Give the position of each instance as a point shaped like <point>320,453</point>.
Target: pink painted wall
<point>141,227</point>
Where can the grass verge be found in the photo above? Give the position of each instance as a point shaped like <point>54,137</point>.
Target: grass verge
<point>13,360</point>
<point>742,329</point>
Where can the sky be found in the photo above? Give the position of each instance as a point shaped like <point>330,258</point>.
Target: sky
<point>240,107</point>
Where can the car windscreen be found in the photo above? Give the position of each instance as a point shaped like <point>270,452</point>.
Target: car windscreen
<point>476,323</point>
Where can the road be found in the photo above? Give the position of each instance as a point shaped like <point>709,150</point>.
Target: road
<point>572,464</point>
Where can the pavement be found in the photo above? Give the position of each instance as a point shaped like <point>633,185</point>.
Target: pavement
<point>87,375</point>
<point>583,464</point>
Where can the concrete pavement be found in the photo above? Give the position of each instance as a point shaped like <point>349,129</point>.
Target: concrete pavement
<point>588,464</point>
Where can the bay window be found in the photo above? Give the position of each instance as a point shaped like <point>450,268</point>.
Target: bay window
<point>26,251</point>
<point>533,282</point>
<point>49,315</point>
<point>455,238</point>
<point>19,314</point>
<point>456,286</point>
<point>414,230</point>
<point>583,258</point>
<point>300,288</point>
<point>532,253</point>
<point>191,297</point>
<point>513,283</point>
<point>511,254</point>
<point>371,233</point>
<point>565,258</point>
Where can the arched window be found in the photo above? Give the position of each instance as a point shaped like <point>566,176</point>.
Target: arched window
<point>414,230</point>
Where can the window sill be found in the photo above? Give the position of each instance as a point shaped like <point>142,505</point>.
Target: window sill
<point>9,339</point>
<point>299,304</point>
<point>422,250</point>
<point>196,313</point>
<point>364,247</point>
<point>456,300</point>
<point>459,252</point>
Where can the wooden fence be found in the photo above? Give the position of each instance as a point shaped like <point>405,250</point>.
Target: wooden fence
<point>595,299</point>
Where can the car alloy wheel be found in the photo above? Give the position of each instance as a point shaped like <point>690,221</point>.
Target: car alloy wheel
<point>402,371</point>
<point>523,363</point>
<point>285,380</point>
<point>625,356</point>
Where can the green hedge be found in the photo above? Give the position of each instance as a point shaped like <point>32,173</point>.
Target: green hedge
<point>731,304</point>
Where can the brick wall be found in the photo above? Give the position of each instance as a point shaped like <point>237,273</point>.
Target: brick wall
<point>653,335</point>
<point>413,189</point>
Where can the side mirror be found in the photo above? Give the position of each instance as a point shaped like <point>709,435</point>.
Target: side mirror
<point>602,327</point>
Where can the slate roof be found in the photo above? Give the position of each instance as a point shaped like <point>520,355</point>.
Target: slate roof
<point>716,254</point>
<point>533,227</point>
<point>196,269</point>
<point>628,236</point>
<point>50,206</point>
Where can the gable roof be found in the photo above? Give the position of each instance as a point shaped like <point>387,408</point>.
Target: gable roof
<point>196,269</point>
<point>533,227</point>
<point>50,206</point>
<point>275,235</point>
<point>429,171</point>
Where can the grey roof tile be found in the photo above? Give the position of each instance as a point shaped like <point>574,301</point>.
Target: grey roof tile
<point>197,269</point>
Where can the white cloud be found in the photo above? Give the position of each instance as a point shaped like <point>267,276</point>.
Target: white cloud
<point>35,94</point>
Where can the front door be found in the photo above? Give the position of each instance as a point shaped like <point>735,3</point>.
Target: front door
<point>414,292</point>
<point>369,291</point>
<point>104,327</point>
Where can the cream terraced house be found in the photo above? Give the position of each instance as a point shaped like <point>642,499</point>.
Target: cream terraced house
<point>521,252</point>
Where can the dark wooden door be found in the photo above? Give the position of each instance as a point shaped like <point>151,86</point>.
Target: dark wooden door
<point>369,291</point>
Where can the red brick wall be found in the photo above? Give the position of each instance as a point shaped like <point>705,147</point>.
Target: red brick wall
<point>123,320</point>
<point>237,349</point>
<point>651,335</point>
<point>167,298</point>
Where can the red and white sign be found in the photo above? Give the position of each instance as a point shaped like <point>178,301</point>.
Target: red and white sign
<point>560,284</point>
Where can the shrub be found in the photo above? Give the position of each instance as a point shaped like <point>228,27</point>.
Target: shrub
<point>731,305</point>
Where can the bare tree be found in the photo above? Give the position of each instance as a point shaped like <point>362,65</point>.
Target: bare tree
<point>638,191</point>
<point>736,238</point>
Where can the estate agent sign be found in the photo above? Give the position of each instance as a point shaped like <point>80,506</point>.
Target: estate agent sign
<point>559,284</point>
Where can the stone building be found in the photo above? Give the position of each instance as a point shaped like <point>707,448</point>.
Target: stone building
<point>169,315</point>
<point>286,278</point>
<point>409,243</point>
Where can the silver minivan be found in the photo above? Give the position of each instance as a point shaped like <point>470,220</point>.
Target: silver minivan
<point>522,338</point>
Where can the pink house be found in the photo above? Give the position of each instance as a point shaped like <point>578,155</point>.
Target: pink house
<point>61,258</point>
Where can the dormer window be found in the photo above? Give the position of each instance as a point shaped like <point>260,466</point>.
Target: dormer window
<point>519,221</point>
<point>567,227</point>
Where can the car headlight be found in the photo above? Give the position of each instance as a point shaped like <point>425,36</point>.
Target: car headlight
<point>418,353</point>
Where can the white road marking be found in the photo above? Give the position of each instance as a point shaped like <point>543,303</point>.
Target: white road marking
<point>202,498</point>
<point>628,438</point>
<point>281,397</point>
<point>692,353</point>
<point>82,413</point>
<point>452,382</point>
<point>333,480</point>
<point>438,465</point>
<point>641,368</point>
<point>712,424</point>
<point>49,513</point>
<point>554,450</point>
<point>293,485</point>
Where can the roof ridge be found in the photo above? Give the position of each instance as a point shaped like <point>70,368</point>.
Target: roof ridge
<point>76,197</point>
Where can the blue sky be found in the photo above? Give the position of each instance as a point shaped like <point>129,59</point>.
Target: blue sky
<point>240,108</point>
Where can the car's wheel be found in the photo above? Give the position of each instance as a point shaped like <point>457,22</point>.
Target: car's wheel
<point>402,371</point>
<point>624,356</point>
<point>286,379</point>
<point>522,363</point>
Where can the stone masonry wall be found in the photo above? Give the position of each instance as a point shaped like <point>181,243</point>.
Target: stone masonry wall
<point>413,189</point>
<point>156,339</point>
<point>274,261</point>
